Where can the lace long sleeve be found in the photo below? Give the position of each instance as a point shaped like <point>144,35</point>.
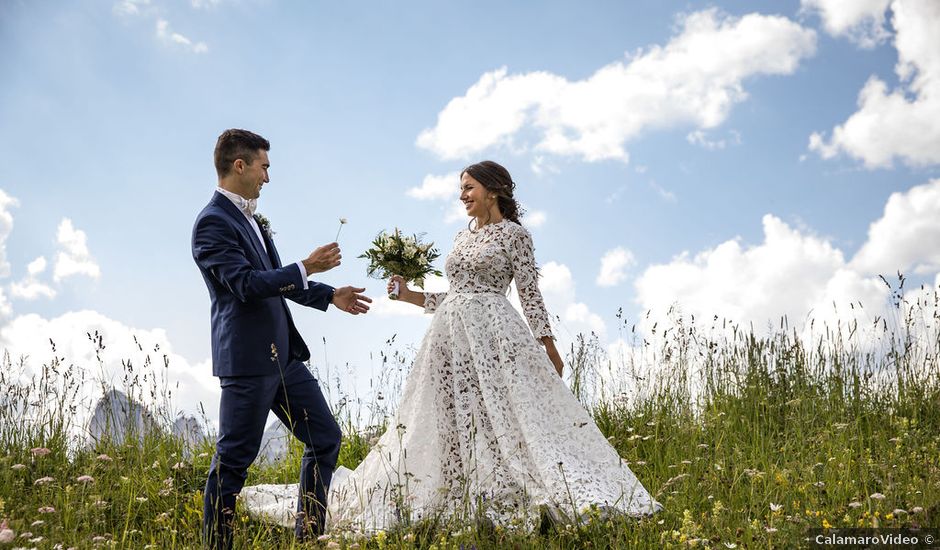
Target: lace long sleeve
<point>432,300</point>
<point>522,256</point>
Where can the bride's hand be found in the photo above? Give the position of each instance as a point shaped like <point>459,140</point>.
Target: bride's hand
<point>403,290</point>
<point>405,294</point>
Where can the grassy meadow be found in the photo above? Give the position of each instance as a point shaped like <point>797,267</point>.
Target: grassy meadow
<point>747,438</point>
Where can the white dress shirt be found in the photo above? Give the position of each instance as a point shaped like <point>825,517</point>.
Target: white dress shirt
<point>247,208</point>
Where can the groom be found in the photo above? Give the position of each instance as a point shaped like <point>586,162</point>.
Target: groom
<point>257,352</point>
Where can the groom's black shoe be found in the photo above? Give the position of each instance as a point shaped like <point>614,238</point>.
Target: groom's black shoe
<point>310,519</point>
<point>217,532</point>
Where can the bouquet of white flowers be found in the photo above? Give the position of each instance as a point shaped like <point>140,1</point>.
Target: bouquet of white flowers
<point>397,254</point>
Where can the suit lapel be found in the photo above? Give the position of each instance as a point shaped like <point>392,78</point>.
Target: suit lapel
<point>272,251</point>
<point>240,219</point>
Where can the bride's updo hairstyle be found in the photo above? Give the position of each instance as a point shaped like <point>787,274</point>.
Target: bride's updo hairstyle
<point>497,181</point>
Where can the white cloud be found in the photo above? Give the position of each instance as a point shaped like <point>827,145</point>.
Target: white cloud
<point>205,4</point>
<point>558,290</point>
<point>130,7</point>
<point>614,264</point>
<point>5,308</point>
<point>190,384</point>
<point>166,35</point>
<point>535,218</point>
<point>540,165</point>
<point>433,187</point>
<point>443,189</point>
<point>664,193</point>
<point>694,80</point>
<point>907,236</point>
<point>861,21</point>
<point>790,274</point>
<point>457,212</point>
<point>899,123</point>
<point>6,227</point>
<point>31,287</point>
<point>73,257</point>
<point>702,139</point>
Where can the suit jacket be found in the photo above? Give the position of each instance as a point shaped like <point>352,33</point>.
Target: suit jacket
<point>252,329</point>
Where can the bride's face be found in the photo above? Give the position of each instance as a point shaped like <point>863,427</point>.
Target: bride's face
<point>476,199</point>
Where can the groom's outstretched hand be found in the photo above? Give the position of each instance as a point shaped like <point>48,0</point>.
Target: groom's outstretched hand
<point>349,299</point>
<point>323,259</point>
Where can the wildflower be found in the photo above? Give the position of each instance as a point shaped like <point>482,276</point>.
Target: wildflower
<point>40,451</point>
<point>178,466</point>
<point>141,499</point>
<point>85,479</point>
<point>342,222</point>
<point>877,496</point>
<point>46,510</point>
<point>18,467</point>
<point>826,524</point>
<point>6,534</point>
<point>35,540</point>
<point>916,510</point>
<point>202,455</point>
<point>889,516</point>
<point>104,458</point>
<point>730,545</point>
<point>98,538</point>
<point>37,523</point>
<point>855,504</point>
<point>819,484</point>
<point>44,480</point>
<point>101,504</point>
<point>899,511</point>
<point>775,507</point>
<point>770,529</point>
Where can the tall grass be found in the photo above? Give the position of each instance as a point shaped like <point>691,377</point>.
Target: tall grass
<point>747,439</point>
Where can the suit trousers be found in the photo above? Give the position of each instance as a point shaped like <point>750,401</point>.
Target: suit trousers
<point>294,395</point>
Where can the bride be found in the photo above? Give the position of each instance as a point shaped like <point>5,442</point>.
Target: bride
<point>485,425</point>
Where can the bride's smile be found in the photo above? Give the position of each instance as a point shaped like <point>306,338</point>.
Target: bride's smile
<point>479,202</point>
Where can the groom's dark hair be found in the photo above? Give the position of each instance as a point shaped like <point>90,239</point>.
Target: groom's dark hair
<point>237,144</point>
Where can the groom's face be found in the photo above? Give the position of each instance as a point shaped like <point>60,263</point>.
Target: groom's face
<point>255,175</point>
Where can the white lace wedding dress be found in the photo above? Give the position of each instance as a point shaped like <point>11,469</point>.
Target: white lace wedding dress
<point>485,424</point>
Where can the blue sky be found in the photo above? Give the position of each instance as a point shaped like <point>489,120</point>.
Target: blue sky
<point>677,139</point>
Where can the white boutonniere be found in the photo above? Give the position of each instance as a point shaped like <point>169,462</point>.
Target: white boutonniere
<point>265,225</point>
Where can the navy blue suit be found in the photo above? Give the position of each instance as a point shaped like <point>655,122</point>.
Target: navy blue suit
<point>258,355</point>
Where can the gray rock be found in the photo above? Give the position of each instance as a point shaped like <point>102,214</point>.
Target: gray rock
<point>118,417</point>
<point>189,430</point>
<point>274,443</point>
